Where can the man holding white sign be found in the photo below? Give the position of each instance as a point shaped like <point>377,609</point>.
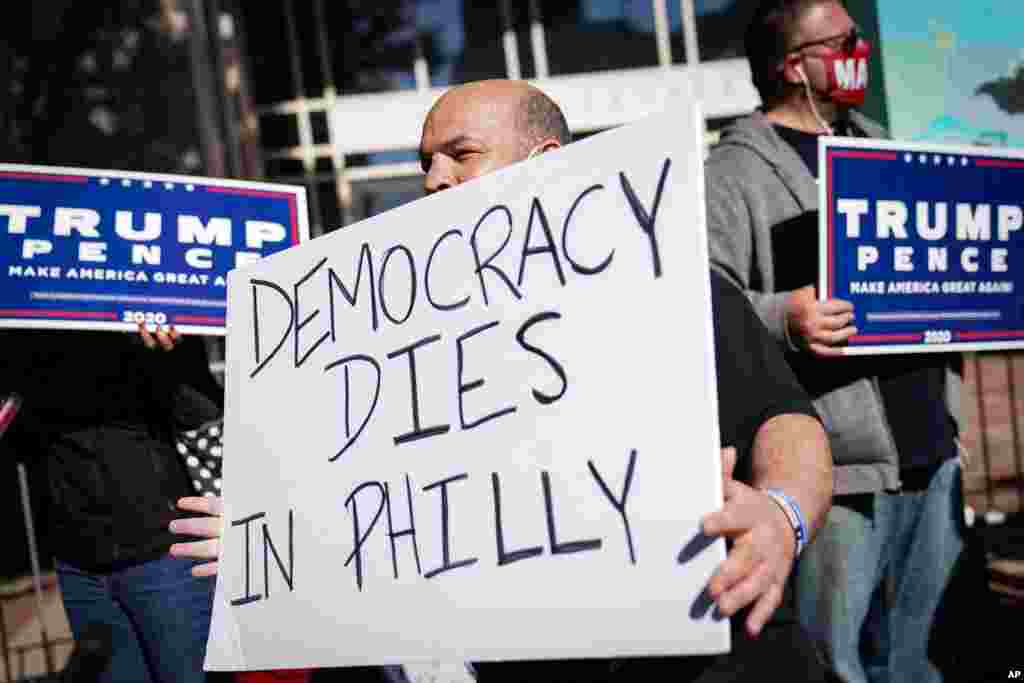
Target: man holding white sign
<point>891,421</point>
<point>479,128</point>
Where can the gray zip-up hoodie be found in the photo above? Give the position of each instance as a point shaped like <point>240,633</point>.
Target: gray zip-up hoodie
<point>755,180</point>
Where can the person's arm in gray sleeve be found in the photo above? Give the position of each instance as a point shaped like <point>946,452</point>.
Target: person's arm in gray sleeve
<point>731,246</point>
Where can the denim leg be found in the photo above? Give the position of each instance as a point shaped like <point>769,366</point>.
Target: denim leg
<point>836,577</point>
<point>171,610</point>
<point>930,542</point>
<point>87,600</point>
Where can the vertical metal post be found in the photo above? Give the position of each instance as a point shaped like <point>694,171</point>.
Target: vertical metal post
<point>206,104</point>
<point>248,119</point>
<point>323,46</point>
<point>33,554</point>
<point>227,110</point>
<point>342,186</point>
<point>538,41</point>
<point>420,70</point>
<point>688,14</point>
<point>513,70</point>
<point>979,382</point>
<point>661,32</point>
<point>8,411</point>
<point>302,120</point>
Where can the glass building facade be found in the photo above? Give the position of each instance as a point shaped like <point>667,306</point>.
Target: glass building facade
<point>324,86</point>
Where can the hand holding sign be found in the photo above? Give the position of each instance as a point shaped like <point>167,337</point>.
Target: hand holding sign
<point>819,326</point>
<point>762,554</point>
<point>209,528</point>
<point>165,338</point>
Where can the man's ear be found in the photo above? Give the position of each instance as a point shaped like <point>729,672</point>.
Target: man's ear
<point>547,145</point>
<point>793,70</point>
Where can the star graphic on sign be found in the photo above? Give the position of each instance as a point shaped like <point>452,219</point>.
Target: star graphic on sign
<point>952,161</point>
<point>937,159</point>
<point>908,158</point>
<point>963,161</point>
<point>923,158</point>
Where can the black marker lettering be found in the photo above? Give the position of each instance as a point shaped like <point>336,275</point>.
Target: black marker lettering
<point>248,597</point>
<point>619,503</point>
<point>556,547</point>
<point>348,407</point>
<point>412,284</point>
<point>465,388</point>
<point>411,531</point>
<point>372,362</point>
<point>426,276</point>
<point>578,267</point>
<point>646,220</point>
<point>542,398</point>
<point>536,209</point>
<point>507,557</point>
<point>446,559</point>
<point>481,266</point>
<point>289,574</point>
<point>358,539</point>
<point>334,281</point>
<point>299,324</point>
<point>417,432</point>
<point>256,323</point>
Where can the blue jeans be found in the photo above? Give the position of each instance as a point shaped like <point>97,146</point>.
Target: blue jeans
<point>158,612</point>
<point>898,549</point>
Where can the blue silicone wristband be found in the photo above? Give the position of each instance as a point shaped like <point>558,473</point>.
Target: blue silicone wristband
<point>794,514</point>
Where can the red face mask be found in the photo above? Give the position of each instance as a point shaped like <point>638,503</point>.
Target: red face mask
<point>848,74</point>
<point>846,70</point>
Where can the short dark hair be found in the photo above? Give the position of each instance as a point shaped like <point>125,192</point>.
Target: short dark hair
<point>768,39</point>
<point>540,118</point>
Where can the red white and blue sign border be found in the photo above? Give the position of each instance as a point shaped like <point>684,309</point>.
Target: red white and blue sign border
<point>830,148</point>
<point>99,320</point>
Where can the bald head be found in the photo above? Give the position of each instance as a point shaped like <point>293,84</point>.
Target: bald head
<point>479,127</point>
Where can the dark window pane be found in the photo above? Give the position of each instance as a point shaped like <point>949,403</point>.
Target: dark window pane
<point>720,27</point>
<point>443,32</point>
<point>598,35</point>
<point>376,196</point>
<point>483,55</point>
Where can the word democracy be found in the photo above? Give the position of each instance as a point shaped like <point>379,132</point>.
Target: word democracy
<point>86,224</point>
<point>972,223</point>
<point>314,310</point>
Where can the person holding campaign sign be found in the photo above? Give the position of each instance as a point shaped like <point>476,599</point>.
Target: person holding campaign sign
<point>777,471</point>
<point>892,538</point>
<point>98,418</point>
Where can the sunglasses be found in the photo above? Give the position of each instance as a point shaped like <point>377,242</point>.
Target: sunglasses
<point>845,42</point>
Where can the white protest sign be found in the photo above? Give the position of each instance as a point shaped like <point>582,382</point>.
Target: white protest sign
<point>481,426</point>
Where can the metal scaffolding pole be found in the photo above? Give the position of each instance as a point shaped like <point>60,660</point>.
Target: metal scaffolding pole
<point>33,552</point>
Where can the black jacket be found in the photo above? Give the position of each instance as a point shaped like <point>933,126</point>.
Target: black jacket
<point>98,419</point>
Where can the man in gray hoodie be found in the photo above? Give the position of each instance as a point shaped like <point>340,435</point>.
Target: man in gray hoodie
<point>892,534</point>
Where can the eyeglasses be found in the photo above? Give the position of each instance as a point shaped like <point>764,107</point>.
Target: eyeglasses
<point>845,42</point>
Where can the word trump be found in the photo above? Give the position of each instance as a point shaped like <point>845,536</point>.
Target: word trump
<point>971,223</point>
<point>90,228</point>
